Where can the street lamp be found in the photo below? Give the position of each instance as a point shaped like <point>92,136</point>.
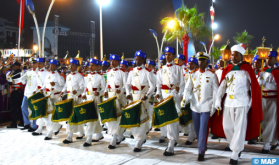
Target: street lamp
<point>155,36</point>
<point>263,51</point>
<point>216,37</point>
<point>214,25</point>
<point>102,3</point>
<point>169,26</point>
<point>35,47</point>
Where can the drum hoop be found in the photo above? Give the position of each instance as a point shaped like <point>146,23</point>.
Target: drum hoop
<point>63,101</point>
<point>32,95</point>
<point>125,107</point>
<point>35,101</point>
<point>83,103</point>
<point>114,97</point>
<point>161,102</point>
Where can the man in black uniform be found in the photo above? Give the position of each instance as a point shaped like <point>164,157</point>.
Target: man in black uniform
<point>17,90</point>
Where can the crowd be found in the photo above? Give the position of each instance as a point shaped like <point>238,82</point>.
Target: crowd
<point>120,96</point>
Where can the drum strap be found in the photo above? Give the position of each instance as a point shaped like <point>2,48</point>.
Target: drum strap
<point>89,84</point>
<point>136,79</point>
<point>70,87</point>
<point>166,77</point>
<point>111,78</point>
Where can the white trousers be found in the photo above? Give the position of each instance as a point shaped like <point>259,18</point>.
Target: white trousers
<point>235,124</point>
<point>172,130</point>
<point>269,124</point>
<point>94,127</point>
<point>189,129</point>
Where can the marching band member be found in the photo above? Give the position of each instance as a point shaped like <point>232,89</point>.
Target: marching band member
<point>124,65</point>
<point>169,81</point>
<point>74,87</point>
<point>257,64</point>
<point>99,67</point>
<point>192,65</point>
<point>162,61</point>
<point>86,68</point>
<point>151,66</point>
<point>30,81</point>
<point>140,84</point>
<point>52,87</point>
<point>41,75</point>
<point>93,82</point>
<point>201,89</point>
<point>16,88</point>
<point>269,78</point>
<point>238,80</point>
<point>116,81</point>
<point>134,63</point>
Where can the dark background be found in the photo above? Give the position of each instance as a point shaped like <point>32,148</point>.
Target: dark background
<point>126,23</point>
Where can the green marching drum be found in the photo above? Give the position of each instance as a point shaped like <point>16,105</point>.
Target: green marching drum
<point>131,115</point>
<point>164,113</point>
<point>83,113</point>
<point>32,98</point>
<point>63,110</point>
<point>107,110</point>
<point>186,117</point>
<point>40,108</point>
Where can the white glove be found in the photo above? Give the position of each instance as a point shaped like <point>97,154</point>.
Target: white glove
<point>183,103</point>
<point>218,105</point>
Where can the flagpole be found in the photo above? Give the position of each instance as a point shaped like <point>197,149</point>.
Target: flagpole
<point>19,29</point>
<point>44,30</point>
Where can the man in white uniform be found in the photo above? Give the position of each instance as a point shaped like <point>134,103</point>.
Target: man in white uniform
<point>140,85</point>
<point>267,78</point>
<point>74,87</point>
<point>30,81</point>
<point>237,81</point>
<point>201,89</point>
<point>169,81</point>
<point>116,82</point>
<point>41,75</point>
<point>151,66</point>
<point>52,87</point>
<point>93,82</point>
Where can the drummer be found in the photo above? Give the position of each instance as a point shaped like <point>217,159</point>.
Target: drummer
<point>116,81</point>
<point>86,68</point>
<point>41,75</point>
<point>52,87</point>
<point>93,82</point>
<point>141,85</point>
<point>162,61</point>
<point>74,87</point>
<point>169,80</point>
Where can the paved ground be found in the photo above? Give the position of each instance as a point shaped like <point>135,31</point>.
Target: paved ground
<point>20,147</point>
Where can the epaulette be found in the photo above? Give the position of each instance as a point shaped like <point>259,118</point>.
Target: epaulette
<point>148,69</point>
<point>109,70</point>
<point>123,70</point>
<point>211,71</point>
<point>131,70</point>
<point>194,71</point>
<point>85,75</point>
<point>186,69</point>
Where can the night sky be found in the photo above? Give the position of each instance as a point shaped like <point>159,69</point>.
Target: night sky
<point>126,23</point>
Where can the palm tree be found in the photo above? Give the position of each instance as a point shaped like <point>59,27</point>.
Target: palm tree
<point>216,53</point>
<point>243,37</point>
<point>187,22</point>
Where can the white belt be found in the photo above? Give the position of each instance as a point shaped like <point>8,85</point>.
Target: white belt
<point>139,92</point>
<point>269,93</point>
<point>167,91</point>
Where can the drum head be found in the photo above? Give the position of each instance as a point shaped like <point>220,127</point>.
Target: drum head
<point>63,101</point>
<point>83,103</point>
<point>132,104</point>
<point>163,101</point>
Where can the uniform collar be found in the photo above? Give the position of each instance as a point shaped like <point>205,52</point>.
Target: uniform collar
<point>140,67</point>
<point>53,72</point>
<point>116,68</point>
<point>170,64</point>
<point>43,69</point>
<point>237,63</point>
<point>73,73</point>
<point>202,71</point>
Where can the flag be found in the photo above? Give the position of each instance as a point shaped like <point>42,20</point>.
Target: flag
<point>63,110</point>
<point>164,113</point>
<point>107,110</point>
<point>83,113</point>
<point>212,14</point>
<point>21,14</point>
<point>40,108</point>
<point>30,6</point>
<point>32,98</point>
<point>131,115</point>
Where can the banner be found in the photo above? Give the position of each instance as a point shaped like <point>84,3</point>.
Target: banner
<point>107,110</point>
<point>63,110</point>
<point>164,113</point>
<point>84,113</point>
<point>40,108</point>
<point>32,98</point>
<point>186,117</point>
<point>131,115</point>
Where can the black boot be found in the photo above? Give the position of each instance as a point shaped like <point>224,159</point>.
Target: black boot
<point>233,162</point>
<point>12,126</point>
<point>26,127</point>
<point>201,157</point>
